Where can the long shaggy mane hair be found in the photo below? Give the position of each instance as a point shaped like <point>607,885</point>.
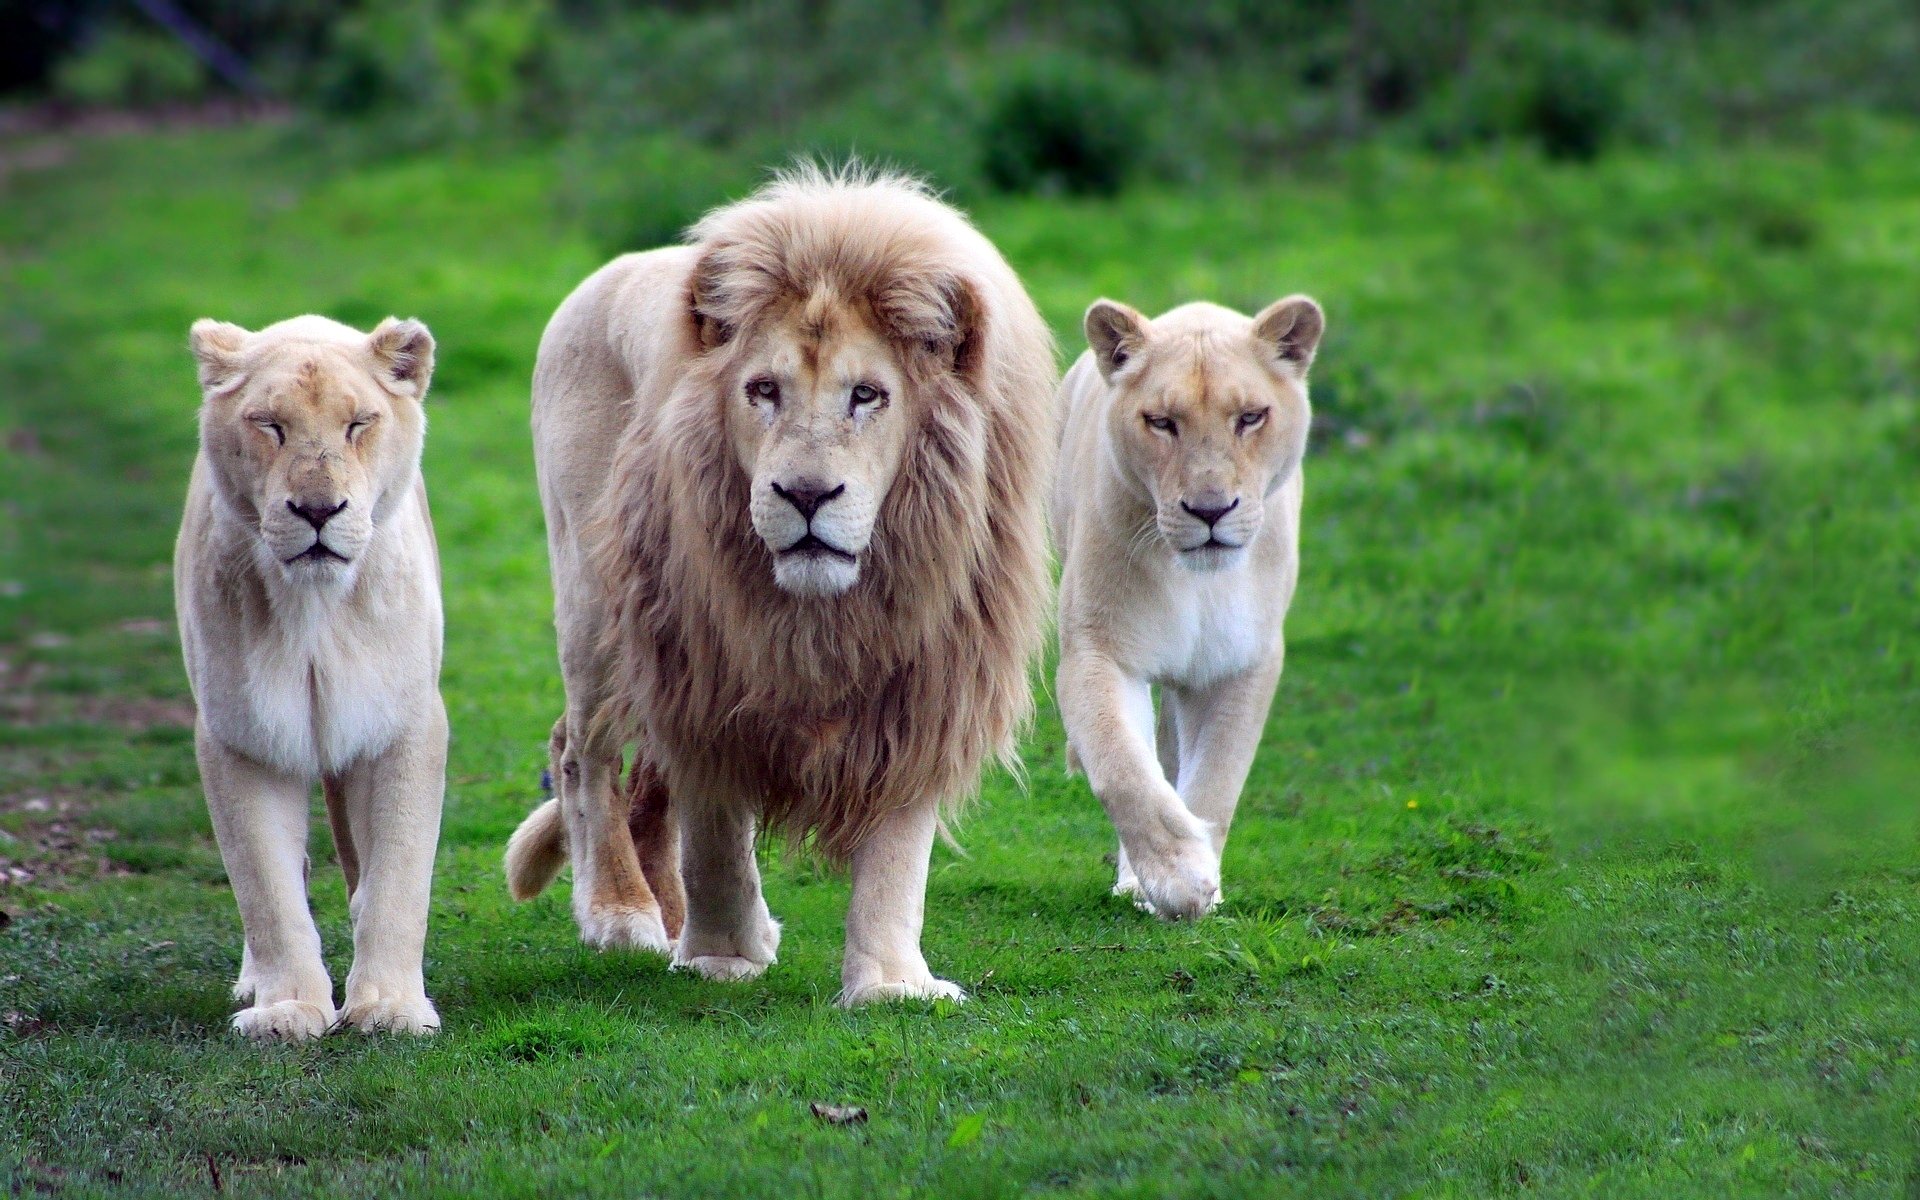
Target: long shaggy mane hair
<point>832,713</point>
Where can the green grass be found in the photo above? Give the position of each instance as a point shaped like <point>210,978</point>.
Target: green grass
<point>1580,857</point>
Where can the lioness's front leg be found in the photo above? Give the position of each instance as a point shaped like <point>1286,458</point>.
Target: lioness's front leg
<point>260,820</point>
<point>1219,728</point>
<point>728,933</point>
<point>392,805</point>
<point>1109,717</point>
<point>884,917</point>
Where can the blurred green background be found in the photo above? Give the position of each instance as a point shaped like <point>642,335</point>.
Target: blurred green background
<point>1582,855</point>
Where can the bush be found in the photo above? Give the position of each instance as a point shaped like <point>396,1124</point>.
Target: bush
<point>1060,123</point>
<point>643,192</point>
<point>1568,89</point>
<point>130,68</point>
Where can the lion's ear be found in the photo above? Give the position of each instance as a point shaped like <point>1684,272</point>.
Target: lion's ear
<point>216,347</point>
<point>403,355</point>
<point>703,296</point>
<point>941,314</point>
<point>1290,330</point>
<point>1116,333</point>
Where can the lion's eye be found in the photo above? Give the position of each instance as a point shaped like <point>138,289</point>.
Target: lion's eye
<point>356,426</point>
<point>1162,424</point>
<point>864,394</point>
<point>763,391</point>
<point>272,427</point>
<point>1251,420</point>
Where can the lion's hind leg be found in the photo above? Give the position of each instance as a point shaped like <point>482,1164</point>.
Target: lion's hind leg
<point>655,829</point>
<point>613,906</point>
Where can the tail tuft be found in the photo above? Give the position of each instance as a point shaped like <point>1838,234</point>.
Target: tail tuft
<point>537,851</point>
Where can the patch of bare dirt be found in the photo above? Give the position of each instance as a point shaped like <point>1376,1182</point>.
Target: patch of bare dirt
<point>50,842</point>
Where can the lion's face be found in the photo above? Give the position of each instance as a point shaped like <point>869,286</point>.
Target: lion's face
<point>1211,420</point>
<point>313,432</point>
<point>819,416</point>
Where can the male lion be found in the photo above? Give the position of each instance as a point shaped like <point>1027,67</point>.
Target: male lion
<point>1177,516</point>
<point>792,476</point>
<point>309,600</point>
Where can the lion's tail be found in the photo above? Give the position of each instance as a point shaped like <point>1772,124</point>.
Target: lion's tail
<point>537,851</point>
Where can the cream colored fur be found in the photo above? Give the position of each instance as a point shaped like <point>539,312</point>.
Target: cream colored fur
<point>312,642</point>
<point>793,478</point>
<point>1177,517</point>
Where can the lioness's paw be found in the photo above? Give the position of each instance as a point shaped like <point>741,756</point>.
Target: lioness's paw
<point>926,988</point>
<point>392,1014</point>
<point>722,968</point>
<point>1182,885</point>
<point>610,927</point>
<point>285,1021</point>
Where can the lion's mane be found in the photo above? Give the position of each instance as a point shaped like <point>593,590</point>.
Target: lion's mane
<point>836,712</point>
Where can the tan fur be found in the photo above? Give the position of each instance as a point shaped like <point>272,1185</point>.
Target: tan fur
<point>834,700</point>
<point>1177,515</point>
<point>314,654</point>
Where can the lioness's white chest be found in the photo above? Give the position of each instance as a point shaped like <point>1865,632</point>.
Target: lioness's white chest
<point>1204,628</point>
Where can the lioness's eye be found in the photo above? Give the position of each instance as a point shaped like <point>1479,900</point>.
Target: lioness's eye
<point>272,427</point>
<point>355,426</point>
<point>1252,420</point>
<point>1162,424</point>
<point>763,389</point>
<point>866,393</point>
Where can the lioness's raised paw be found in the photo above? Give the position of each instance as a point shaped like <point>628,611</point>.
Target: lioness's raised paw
<point>722,968</point>
<point>610,927</point>
<point>285,1021</point>
<point>925,988</point>
<point>392,1014</point>
<point>1181,885</point>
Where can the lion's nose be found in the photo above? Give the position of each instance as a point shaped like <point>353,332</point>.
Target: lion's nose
<point>807,495</point>
<point>1209,512</point>
<point>317,515</point>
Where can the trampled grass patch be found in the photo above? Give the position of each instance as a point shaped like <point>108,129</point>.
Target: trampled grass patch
<point>1580,856</point>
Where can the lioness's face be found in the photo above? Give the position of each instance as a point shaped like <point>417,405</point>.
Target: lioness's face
<point>818,416</point>
<point>1209,415</point>
<point>312,437</point>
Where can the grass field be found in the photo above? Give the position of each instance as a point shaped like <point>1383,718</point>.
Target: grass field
<point>1580,857</point>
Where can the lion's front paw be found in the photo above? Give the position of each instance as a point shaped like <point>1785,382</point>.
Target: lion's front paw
<point>285,1021</point>
<point>1180,885</point>
<point>619,927</point>
<point>926,987</point>
<point>392,1014</point>
<point>722,968</point>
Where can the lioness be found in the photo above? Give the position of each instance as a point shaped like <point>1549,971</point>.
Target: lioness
<point>309,599</point>
<point>793,478</point>
<point>1177,516</point>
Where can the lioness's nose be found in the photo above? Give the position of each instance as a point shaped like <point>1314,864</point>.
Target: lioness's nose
<point>807,495</point>
<point>317,515</point>
<point>1210,513</point>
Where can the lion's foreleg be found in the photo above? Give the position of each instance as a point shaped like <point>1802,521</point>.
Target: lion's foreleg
<point>728,932</point>
<point>392,802</point>
<point>888,908</point>
<point>260,820</point>
<point>1109,716</point>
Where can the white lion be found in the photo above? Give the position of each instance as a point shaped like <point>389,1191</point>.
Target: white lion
<point>1177,517</point>
<point>308,592</point>
<point>793,477</point>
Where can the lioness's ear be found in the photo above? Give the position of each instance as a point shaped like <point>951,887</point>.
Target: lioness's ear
<point>403,354</point>
<point>1290,330</point>
<point>216,346</point>
<point>1116,333</point>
